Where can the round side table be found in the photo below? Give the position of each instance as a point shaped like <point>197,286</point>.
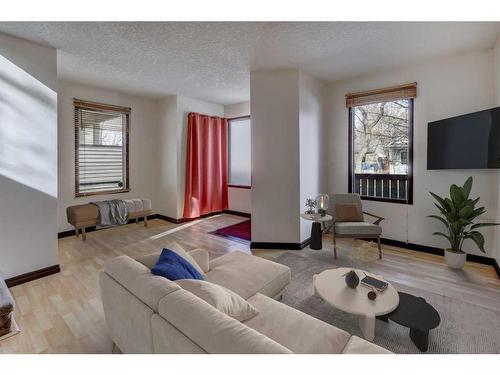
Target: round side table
<point>316,232</point>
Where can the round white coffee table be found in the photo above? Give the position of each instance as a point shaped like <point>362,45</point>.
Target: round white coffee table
<point>331,287</point>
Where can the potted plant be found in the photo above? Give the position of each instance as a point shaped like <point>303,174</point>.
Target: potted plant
<point>458,212</point>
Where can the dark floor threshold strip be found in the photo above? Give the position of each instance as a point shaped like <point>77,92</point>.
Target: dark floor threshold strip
<point>33,275</point>
<point>280,245</point>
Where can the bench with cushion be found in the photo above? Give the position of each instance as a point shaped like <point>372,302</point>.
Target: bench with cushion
<point>86,215</point>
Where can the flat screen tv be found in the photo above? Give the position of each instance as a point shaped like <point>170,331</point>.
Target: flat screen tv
<point>469,141</point>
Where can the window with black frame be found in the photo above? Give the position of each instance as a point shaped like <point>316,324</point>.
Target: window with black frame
<point>381,144</point>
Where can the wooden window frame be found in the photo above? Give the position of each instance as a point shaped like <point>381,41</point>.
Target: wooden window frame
<point>80,104</point>
<point>409,190</point>
<point>248,117</point>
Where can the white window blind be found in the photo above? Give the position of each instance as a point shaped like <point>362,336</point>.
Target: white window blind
<point>240,157</point>
<point>101,160</point>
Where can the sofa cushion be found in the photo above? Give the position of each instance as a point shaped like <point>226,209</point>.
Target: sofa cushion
<point>358,345</point>
<point>138,280</point>
<point>201,257</point>
<point>212,330</point>
<point>151,259</point>
<point>183,253</point>
<point>299,332</point>
<point>221,298</point>
<point>174,267</point>
<point>148,260</point>
<point>353,228</point>
<point>247,275</point>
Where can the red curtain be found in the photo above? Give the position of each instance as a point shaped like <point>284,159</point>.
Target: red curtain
<point>206,167</point>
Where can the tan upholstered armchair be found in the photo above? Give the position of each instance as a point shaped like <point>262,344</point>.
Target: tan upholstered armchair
<point>350,222</point>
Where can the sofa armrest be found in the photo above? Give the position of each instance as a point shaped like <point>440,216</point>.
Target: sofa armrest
<point>357,345</point>
<point>202,259</point>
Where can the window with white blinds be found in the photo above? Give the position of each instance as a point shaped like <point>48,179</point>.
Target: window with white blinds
<point>101,148</point>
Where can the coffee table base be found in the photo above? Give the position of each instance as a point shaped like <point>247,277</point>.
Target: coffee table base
<point>420,339</point>
<point>414,312</point>
<point>367,326</point>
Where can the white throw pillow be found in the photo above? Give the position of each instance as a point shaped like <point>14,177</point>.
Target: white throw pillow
<point>175,247</point>
<point>221,298</point>
<point>201,257</point>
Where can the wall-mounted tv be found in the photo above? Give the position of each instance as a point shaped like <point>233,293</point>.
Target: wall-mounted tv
<point>469,141</point>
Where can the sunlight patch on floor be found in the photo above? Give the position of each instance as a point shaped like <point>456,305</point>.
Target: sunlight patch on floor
<point>180,227</point>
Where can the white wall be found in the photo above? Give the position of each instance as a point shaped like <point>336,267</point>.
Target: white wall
<point>275,156</point>
<point>239,199</point>
<point>312,154</point>
<point>28,156</point>
<point>450,87</point>
<point>168,128</point>
<point>144,163</point>
<point>237,110</point>
<point>158,139</point>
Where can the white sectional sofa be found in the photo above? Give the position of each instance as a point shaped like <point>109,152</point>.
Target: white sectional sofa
<point>151,314</point>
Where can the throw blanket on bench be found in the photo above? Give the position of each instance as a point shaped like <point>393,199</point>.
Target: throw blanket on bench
<point>112,212</point>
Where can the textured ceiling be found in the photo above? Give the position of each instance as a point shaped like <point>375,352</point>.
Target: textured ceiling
<point>212,61</point>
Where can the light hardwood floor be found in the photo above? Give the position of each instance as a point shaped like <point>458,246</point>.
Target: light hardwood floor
<point>62,313</point>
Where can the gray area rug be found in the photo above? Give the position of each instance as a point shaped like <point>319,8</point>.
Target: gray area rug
<point>464,328</point>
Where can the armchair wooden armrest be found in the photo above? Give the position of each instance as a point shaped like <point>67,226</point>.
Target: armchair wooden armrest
<point>379,218</point>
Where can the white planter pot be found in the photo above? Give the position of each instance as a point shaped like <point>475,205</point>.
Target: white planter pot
<point>455,260</point>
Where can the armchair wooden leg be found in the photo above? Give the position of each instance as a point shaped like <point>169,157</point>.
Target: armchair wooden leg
<point>84,235</point>
<point>334,246</point>
<point>137,220</point>
<point>146,220</point>
<point>379,248</point>
<point>77,232</point>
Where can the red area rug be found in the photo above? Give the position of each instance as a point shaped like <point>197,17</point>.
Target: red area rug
<point>240,231</point>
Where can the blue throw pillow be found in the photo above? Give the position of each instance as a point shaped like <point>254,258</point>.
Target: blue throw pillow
<point>174,267</point>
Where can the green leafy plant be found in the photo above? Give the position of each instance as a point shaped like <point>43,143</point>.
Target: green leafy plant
<point>457,213</point>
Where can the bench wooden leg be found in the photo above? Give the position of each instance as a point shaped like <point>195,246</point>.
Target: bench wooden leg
<point>146,220</point>
<point>137,220</point>
<point>84,236</point>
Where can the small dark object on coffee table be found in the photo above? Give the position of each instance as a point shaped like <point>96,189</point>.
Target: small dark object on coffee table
<point>372,295</point>
<point>418,315</point>
<point>352,279</point>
